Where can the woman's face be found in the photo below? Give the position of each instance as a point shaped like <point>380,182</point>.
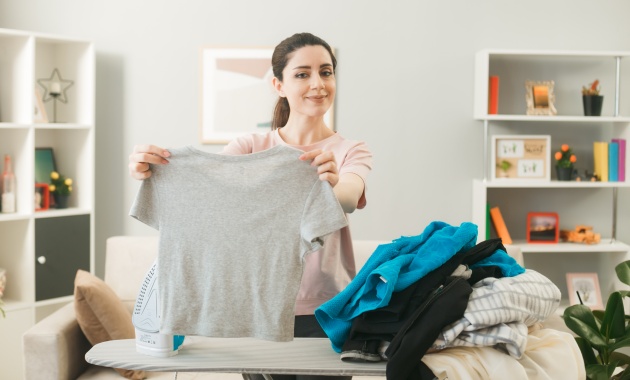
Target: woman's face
<point>309,81</point>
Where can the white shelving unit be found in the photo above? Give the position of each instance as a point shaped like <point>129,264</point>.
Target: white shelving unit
<point>42,250</point>
<point>570,70</point>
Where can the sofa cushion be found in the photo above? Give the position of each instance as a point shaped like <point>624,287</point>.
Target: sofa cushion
<point>101,314</point>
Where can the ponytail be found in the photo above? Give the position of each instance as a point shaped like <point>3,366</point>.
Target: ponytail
<point>280,114</point>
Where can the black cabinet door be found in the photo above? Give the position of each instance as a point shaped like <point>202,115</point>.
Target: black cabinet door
<point>62,246</point>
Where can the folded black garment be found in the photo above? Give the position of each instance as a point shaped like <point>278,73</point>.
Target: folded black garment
<point>443,307</point>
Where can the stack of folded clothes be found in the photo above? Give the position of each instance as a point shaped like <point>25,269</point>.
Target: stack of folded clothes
<point>436,290</point>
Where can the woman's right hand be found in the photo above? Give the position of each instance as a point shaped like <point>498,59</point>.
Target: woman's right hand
<point>142,156</point>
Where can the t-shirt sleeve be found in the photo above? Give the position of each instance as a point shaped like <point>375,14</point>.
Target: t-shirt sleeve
<point>322,216</point>
<point>145,206</point>
<point>358,160</point>
<point>240,145</point>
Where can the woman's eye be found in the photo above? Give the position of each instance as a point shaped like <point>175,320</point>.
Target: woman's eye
<point>301,75</point>
<point>327,73</point>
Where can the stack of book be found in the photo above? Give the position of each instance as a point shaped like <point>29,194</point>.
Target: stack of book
<point>610,160</point>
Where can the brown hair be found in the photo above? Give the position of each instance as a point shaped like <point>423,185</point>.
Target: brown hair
<point>279,59</point>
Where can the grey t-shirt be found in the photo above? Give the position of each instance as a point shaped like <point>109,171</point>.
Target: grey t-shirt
<point>233,234</point>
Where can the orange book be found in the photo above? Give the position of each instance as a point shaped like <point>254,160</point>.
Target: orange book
<point>499,225</point>
<point>493,96</point>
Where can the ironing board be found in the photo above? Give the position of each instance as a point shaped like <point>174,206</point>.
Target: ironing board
<point>302,356</point>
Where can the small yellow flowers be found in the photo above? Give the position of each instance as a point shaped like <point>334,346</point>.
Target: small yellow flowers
<point>59,184</point>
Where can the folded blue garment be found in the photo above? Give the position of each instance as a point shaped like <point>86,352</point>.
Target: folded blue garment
<point>509,267</point>
<point>392,267</point>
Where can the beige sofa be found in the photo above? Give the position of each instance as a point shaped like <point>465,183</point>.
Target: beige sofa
<point>55,347</point>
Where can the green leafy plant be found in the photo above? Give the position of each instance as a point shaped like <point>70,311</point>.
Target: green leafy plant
<point>504,165</point>
<point>602,332</point>
<point>59,184</point>
<point>565,157</point>
<point>592,88</point>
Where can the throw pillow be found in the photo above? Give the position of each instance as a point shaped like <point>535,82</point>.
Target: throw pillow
<point>101,314</point>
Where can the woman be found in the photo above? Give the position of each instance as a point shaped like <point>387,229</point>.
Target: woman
<point>304,78</point>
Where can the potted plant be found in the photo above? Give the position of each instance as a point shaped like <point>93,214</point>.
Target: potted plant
<point>601,333</point>
<point>564,163</point>
<point>61,188</point>
<point>592,100</point>
<point>505,166</point>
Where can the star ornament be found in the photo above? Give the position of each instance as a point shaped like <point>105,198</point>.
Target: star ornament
<point>55,87</point>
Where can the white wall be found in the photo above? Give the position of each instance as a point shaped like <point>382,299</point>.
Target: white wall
<point>405,84</point>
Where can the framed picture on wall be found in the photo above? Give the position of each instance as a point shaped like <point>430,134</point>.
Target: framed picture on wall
<point>237,94</point>
<point>523,157</point>
<point>540,98</point>
<point>543,227</point>
<point>583,288</point>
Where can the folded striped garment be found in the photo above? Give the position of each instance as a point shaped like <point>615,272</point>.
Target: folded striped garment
<point>500,310</point>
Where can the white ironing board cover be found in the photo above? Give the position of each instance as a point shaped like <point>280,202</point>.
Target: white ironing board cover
<point>302,356</point>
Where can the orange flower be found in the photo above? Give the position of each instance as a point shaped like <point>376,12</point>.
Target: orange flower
<point>594,85</point>
<point>565,157</point>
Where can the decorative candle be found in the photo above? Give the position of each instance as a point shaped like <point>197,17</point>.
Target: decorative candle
<point>55,88</point>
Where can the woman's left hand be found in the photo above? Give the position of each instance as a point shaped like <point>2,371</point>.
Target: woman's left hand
<point>326,165</point>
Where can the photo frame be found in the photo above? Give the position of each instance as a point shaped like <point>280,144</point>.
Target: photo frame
<point>237,94</point>
<point>543,227</point>
<point>42,197</point>
<point>39,111</point>
<point>44,164</point>
<point>587,285</point>
<point>540,97</point>
<point>521,157</point>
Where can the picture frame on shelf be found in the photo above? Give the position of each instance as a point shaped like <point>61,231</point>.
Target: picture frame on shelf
<point>543,227</point>
<point>42,197</point>
<point>587,286</point>
<point>237,93</point>
<point>39,111</point>
<point>540,98</point>
<point>521,157</point>
<point>44,164</point>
